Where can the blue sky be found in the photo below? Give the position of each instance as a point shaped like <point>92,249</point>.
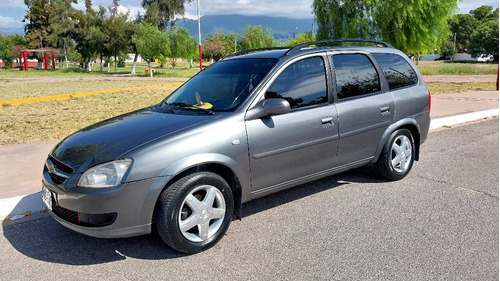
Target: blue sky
<point>12,11</point>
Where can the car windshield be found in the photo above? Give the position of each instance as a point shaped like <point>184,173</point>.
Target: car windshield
<point>221,87</point>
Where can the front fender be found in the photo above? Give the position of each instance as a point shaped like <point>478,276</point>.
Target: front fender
<point>185,164</point>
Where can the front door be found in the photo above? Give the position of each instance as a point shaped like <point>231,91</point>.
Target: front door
<point>288,149</point>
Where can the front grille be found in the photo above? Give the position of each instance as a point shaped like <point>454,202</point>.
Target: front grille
<point>57,179</point>
<point>68,215</point>
<point>58,171</point>
<point>61,166</point>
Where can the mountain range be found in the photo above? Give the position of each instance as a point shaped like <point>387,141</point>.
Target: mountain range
<point>281,28</point>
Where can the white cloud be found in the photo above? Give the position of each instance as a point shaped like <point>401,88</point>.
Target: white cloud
<point>13,4</point>
<point>10,22</point>
<point>299,9</point>
<point>466,6</point>
<point>132,10</point>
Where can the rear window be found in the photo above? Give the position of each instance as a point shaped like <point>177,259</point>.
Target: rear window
<point>398,72</point>
<point>355,75</point>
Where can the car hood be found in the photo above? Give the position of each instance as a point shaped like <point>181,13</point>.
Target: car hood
<point>109,139</point>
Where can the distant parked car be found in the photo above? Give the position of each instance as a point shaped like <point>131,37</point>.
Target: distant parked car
<point>485,58</point>
<point>252,124</point>
<point>443,58</point>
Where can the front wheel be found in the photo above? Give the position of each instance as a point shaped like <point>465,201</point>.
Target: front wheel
<point>398,155</point>
<point>194,212</point>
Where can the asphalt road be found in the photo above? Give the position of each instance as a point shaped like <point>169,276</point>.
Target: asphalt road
<point>439,223</point>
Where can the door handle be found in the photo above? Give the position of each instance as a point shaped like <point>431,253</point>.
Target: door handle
<point>327,120</point>
<point>385,110</point>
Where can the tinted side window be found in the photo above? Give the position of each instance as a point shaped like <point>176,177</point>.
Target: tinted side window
<point>398,72</point>
<point>303,84</point>
<point>355,76</point>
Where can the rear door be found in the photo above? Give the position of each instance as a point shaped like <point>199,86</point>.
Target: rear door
<point>291,148</point>
<point>364,110</point>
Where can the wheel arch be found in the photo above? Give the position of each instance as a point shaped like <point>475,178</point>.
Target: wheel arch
<point>222,170</point>
<point>409,124</point>
<point>217,164</point>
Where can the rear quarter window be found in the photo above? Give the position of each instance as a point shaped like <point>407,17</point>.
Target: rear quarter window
<point>396,69</point>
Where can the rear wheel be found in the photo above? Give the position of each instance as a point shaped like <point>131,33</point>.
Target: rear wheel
<point>398,155</point>
<point>194,212</point>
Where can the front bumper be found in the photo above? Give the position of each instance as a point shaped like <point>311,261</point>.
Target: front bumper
<point>123,211</point>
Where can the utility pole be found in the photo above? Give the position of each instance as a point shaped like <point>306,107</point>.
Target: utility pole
<point>454,43</point>
<point>199,33</point>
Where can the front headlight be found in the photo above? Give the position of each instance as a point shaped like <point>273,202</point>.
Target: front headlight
<point>105,175</point>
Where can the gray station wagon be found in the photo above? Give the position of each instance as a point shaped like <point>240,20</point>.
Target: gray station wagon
<point>254,123</point>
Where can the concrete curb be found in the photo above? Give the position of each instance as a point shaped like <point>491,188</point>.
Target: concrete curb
<point>462,118</point>
<point>18,207</point>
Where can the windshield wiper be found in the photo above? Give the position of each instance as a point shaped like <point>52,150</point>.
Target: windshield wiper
<point>190,107</point>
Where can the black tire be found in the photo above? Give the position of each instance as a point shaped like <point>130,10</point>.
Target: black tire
<point>397,156</point>
<point>200,203</point>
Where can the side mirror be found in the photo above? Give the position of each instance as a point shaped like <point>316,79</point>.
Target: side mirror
<point>268,107</point>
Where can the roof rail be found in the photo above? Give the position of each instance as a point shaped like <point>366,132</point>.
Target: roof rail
<point>329,41</point>
<point>243,52</point>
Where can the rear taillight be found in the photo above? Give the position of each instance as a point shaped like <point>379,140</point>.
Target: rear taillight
<point>429,100</point>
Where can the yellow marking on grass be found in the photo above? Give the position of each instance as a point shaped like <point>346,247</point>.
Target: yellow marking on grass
<point>84,94</point>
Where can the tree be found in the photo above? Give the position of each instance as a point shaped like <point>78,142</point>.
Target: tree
<point>218,45</point>
<point>415,26</point>
<point>38,28</point>
<point>160,12</point>
<point>151,43</point>
<point>81,35</point>
<point>301,38</point>
<point>343,18</point>
<point>484,40</point>
<point>62,23</point>
<point>447,49</point>
<point>462,26</point>
<point>97,36</point>
<point>182,45</point>
<point>133,46</point>
<point>118,31</point>
<point>257,37</point>
<point>482,13</point>
<point>7,44</point>
<point>214,49</point>
<point>411,26</point>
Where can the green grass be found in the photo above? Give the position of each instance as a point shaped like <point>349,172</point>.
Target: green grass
<point>457,68</point>
<point>181,70</point>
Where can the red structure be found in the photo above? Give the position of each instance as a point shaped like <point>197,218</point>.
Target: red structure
<point>45,61</point>
<point>497,78</point>
<point>23,62</point>
<point>25,57</point>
